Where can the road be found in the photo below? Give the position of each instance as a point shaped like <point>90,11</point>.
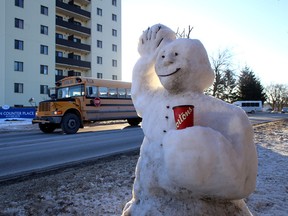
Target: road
<point>263,117</point>
<point>24,152</point>
<point>32,151</point>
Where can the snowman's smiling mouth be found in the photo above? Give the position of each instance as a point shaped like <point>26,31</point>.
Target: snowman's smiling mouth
<point>170,73</point>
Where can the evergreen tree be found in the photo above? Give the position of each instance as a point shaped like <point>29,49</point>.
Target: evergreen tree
<point>249,87</point>
<point>229,86</point>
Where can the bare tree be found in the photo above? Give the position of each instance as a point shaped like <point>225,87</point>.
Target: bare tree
<point>221,64</point>
<point>183,33</point>
<point>277,96</point>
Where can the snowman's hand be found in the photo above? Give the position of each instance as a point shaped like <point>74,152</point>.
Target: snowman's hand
<point>154,38</point>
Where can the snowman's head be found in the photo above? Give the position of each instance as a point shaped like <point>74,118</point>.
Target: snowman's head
<point>183,65</point>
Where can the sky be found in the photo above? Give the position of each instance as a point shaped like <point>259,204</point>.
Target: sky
<point>254,31</point>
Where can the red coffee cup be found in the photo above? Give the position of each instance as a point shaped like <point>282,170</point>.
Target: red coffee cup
<point>184,116</point>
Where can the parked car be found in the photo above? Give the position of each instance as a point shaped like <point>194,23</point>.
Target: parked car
<point>284,110</point>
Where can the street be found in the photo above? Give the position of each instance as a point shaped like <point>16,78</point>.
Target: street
<point>263,117</point>
<point>25,152</point>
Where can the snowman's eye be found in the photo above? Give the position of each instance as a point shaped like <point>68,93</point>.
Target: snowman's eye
<point>176,54</point>
<point>163,56</point>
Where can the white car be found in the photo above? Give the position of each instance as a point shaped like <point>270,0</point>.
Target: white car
<point>284,110</point>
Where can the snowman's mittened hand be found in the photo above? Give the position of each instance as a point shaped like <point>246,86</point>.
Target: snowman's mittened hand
<point>153,38</point>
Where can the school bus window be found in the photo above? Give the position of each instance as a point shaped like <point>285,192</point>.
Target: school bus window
<point>103,91</point>
<point>62,93</point>
<point>71,91</point>
<point>75,91</point>
<point>113,92</point>
<point>91,91</point>
<point>121,92</point>
<point>128,93</point>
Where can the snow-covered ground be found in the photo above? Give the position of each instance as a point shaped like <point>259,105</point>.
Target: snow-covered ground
<point>104,186</point>
<point>15,123</point>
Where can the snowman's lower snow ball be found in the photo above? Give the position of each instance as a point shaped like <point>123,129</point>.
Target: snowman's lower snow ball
<point>206,169</point>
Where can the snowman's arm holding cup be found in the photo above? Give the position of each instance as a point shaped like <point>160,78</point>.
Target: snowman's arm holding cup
<point>144,79</point>
<point>202,160</point>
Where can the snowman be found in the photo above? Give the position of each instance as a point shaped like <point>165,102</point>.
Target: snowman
<point>206,169</point>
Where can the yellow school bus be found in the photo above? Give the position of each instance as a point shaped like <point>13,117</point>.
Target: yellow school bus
<point>81,100</point>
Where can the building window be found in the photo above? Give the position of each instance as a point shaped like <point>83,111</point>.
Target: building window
<point>77,73</point>
<point>44,10</point>
<point>77,23</point>
<point>114,32</point>
<point>77,57</point>
<point>99,11</point>
<point>59,17</point>
<point>44,69</point>
<point>59,35</point>
<point>114,2</point>
<point>19,44</point>
<point>114,47</point>
<point>99,75</point>
<point>76,40</point>
<point>44,49</point>
<point>18,87</point>
<point>19,23</point>
<point>59,54</point>
<point>114,63</point>
<point>43,89</point>
<point>114,17</point>
<point>99,60</point>
<point>19,3</point>
<point>59,72</point>
<point>44,30</point>
<point>18,66</point>
<point>99,27</point>
<point>99,43</point>
<point>114,77</point>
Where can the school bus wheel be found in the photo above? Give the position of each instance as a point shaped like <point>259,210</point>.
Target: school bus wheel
<point>47,128</point>
<point>70,123</point>
<point>134,121</point>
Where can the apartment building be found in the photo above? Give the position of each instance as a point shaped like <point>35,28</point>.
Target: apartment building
<point>43,41</point>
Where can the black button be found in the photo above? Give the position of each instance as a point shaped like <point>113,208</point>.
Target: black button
<point>164,131</point>
<point>167,107</point>
<point>166,117</point>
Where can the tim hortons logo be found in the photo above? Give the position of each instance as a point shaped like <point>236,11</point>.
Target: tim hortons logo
<point>183,116</point>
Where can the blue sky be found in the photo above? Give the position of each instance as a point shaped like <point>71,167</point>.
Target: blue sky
<point>255,31</point>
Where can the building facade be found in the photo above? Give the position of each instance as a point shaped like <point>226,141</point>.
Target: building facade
<point>43,41</point>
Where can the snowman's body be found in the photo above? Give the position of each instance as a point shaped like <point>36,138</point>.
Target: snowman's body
<point>202,170</point>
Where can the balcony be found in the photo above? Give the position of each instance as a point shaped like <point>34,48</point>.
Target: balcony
<point>83,2</point>
<point>73,63</point>
<point>72,28</point>
<point>73,46</point>
<point>71,10</point>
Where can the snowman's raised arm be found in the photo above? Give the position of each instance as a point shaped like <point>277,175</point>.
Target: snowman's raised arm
<point>145,80</point>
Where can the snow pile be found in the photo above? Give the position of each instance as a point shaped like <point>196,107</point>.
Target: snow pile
<point>271,194</point>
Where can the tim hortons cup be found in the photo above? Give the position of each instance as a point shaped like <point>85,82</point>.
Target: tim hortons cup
<point>184,116</point>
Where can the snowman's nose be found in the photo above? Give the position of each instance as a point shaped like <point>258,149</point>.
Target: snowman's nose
<point>167,60</point>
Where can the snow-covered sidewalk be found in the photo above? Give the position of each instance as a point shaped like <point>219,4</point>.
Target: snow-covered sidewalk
<point>11,124</point>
